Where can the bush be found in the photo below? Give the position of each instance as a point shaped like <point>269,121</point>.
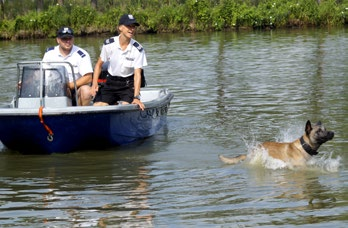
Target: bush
<point>81,18</point>
<point>176,16</point>
<point>50,21</point>
<point>7,29</point>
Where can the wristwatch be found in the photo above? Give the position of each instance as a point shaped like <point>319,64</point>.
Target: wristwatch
<point>137,97</point>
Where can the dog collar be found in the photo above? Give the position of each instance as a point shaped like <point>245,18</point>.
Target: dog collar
<point>307,147</point>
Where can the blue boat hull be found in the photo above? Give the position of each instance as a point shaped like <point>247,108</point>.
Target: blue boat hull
<point>80,130</point>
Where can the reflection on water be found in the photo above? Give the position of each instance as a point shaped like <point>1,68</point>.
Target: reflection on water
<point>232,90</point>
<point>57,189</point>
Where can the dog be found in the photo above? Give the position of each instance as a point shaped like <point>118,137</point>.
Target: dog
<point>295,153</point>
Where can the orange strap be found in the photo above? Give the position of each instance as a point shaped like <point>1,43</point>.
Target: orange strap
<point>50,132</point>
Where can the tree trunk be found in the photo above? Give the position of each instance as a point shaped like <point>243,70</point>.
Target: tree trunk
<point>2,5</point>
<point>94,4</point>
<point>39,5</point>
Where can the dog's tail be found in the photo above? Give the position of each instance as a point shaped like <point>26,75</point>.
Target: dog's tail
<point>232,161</point>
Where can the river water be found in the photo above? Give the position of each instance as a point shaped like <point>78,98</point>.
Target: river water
<point>232,90</point>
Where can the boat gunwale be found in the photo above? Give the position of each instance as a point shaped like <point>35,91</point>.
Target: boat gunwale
<point>72,110</point>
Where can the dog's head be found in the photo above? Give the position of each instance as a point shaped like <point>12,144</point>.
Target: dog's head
<point>318,134</point>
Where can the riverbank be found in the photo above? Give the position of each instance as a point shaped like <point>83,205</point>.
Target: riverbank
<point>191,16</point>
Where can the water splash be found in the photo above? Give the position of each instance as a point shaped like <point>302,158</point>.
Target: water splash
<point>259,156</point>
<point>325,163</point>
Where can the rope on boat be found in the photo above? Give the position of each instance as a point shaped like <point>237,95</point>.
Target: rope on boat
<point>48,129</point>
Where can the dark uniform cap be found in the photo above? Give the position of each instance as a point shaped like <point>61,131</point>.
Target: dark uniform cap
<point>65,32</point>
<point>128,19</point>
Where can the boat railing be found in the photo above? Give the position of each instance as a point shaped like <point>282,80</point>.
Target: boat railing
<point>44,84</point>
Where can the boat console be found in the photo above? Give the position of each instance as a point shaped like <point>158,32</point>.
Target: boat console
<point>43,85</point>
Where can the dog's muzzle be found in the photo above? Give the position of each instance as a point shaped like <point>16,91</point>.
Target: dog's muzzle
<point>329,136</point>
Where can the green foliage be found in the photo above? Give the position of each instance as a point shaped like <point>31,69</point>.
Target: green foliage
<point>26,22</point>
<point>246,15</point>
<point>267,14</point>
<point>108,21</point>
<point>344,12</point>
<point>226,15</point>
<point>329,13</point>
<point>168,16</point>
<point>199,12</point>
<point>302,13</point>
<point>55,17</point>
<point>232,14</point>
<point>7,29</point>
<point>282,13</point>
<point>166,19</point>
<point>81,17</point>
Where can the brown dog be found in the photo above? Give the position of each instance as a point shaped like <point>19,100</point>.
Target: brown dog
<point>295,153</point>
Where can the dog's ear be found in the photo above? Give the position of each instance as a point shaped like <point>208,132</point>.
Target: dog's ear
<point>308,128</point>
<point>318,123</point>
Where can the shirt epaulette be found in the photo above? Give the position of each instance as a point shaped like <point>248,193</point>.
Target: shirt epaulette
<point>109,41</point>
<point>81,53</point>
<point>49,49</point>
<point>138,46</point>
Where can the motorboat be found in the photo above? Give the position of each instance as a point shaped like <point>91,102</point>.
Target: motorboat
<point>42,117</point>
